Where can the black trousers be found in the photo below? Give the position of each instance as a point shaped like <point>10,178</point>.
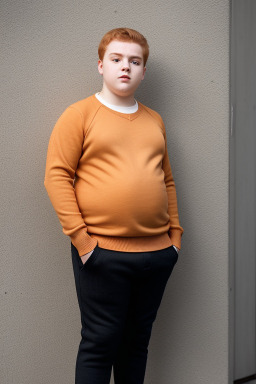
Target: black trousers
<point>119,294</point>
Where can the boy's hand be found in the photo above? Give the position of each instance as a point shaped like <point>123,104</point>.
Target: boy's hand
<point>85,257</point>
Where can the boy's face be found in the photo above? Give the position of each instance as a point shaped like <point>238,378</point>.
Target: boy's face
<point>122,67</point>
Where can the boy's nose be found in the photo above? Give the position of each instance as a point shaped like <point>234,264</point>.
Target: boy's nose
<point>125,67</point>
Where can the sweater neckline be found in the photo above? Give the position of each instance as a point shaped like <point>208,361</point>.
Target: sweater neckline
<point>118,108</point>
<point>128,116</point>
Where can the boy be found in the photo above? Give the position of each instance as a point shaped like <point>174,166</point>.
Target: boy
<point>110,181</point>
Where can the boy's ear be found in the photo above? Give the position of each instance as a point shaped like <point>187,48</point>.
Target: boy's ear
<point>100,67</point>
<point>143,75</point>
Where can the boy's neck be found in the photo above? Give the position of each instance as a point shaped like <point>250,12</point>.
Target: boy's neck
<point>122,101</point>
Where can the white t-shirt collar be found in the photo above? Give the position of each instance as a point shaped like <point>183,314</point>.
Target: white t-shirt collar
<point>118,108</point>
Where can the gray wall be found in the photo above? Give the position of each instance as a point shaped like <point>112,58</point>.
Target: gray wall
<point>48,61</point>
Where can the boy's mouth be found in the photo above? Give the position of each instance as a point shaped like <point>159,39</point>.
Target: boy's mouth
<point>124,77</point>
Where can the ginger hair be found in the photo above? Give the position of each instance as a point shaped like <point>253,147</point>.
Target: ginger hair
<point>124,34</point>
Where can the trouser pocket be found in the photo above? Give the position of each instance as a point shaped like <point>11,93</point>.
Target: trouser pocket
<point>77,259</point>
<point>176,253</point>
<point>91,258</point>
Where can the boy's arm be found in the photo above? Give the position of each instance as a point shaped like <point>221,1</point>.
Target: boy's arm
<point>64,151</point>
<point>175,230</point>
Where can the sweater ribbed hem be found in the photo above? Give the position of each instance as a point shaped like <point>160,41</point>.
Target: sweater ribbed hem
<point>133,244</point>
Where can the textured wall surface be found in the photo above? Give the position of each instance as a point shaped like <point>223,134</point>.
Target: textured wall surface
<point>48,61</point>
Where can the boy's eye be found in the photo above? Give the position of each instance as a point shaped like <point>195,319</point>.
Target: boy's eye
<point>134,61</point>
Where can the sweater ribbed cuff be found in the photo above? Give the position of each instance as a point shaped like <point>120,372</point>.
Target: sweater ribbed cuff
<point>83,242</point>
<point>175,236</point>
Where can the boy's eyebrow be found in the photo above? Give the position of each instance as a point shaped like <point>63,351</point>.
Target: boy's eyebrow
<point>119,54</point>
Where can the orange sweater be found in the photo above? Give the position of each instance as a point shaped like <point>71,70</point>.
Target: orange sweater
<point>109,179</point>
